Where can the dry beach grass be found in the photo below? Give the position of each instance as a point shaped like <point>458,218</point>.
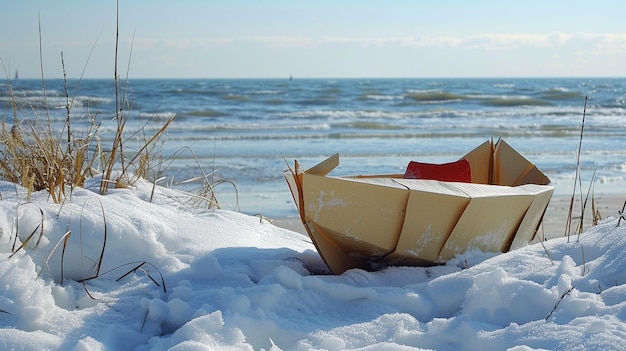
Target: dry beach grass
<point>56,159</point>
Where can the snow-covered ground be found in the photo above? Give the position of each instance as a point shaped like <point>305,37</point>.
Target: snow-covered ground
<point>173,277</point>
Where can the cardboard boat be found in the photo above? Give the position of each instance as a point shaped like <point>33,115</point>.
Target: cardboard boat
<point>492,199</point>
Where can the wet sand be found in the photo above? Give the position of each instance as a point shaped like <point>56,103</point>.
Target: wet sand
<point>555,219</point>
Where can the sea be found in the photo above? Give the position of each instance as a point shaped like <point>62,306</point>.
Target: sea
<point>242,134</point>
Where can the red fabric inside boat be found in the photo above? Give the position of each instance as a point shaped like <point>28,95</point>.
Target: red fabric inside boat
<point>458,171</point>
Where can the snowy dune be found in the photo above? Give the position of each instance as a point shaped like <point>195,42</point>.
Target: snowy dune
<point>219,279</point>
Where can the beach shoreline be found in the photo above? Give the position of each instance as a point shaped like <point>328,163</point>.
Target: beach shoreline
<point>555,218</point>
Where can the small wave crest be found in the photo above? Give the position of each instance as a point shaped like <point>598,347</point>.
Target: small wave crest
<point>350,114</point>
<point>156,116</point>
<point>274,101</point>
<point>235,97</point>
<point>561,94</point>
<point>204,113</point>
<point>433,96</point>
<point>515,101</point>
<point>267,92</point>
<point>189,91</point>
<point>370,125</point>
<point>379,97</point>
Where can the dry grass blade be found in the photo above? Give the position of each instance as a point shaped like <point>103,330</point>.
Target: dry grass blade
<point>98,263</point>
<point>154,185</point>
<point>87,290</point>
<point>104,241</point>
<point>262,218</point>
<point>154,280</point>
<point>541,240</point>
<point>120,117</point>
<point>596,216</point>
<point>131,271</point>
<point>559,301</point>
<point>206,193</point>
<point>621,214</point>
<point>30,236</point>
<point>10,91</point>
<point>109,161</point>
<point>210,192</point>
<point>584,207</point>
<point>25,242</point>
<point>143,153</point>
<point>137,267</point>
<point>547,252</point>
<point>568,223</point>
<point>43,82</point>
<point>145,318</point>
<point>64,239</point>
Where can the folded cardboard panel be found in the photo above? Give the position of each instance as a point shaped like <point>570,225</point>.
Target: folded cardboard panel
<point>490,220</point>
<point>528,228</point>
<point>336,258</point>
<point>431,213</point>
<point>480,160</point>
<point>513,169</point>
<point>364,216</point>
<point>500,164</point>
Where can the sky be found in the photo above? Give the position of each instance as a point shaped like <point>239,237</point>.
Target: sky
<point>315,39</point>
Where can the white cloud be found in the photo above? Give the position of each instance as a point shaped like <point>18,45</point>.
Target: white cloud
<point>613,41</point>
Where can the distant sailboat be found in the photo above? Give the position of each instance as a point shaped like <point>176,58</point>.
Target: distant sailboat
<point>290,77</point>
<point>17,75</point>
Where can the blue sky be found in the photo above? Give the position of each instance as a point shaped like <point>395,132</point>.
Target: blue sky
<point>317,39</point>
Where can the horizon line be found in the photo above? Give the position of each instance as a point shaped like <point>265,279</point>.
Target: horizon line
<point>290,77</point>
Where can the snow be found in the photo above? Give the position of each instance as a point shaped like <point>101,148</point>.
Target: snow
<point>176,277</point>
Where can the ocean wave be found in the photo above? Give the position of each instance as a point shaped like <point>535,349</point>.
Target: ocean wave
<point>204,113</point>
<point>156,116</point>
<point>332,91</point>
<point>433,96</point>
<point>524,112</point>
<point>274,101</point>
<point>334,114</point>
<point>562,94</point>
<point>504,85</point>
<point>37,102</point>
<point>189,91</point>
<point>320,100</point>
<point>370,125</point>
<point>384,132</point>
<point>18,91</point>
<point>251,128</point>
<point>609,179</point>
<point>505,101</point>
<point>267,92</point>
<point>374,96</point>
<point>93,101</point>
<point>235,97</point>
